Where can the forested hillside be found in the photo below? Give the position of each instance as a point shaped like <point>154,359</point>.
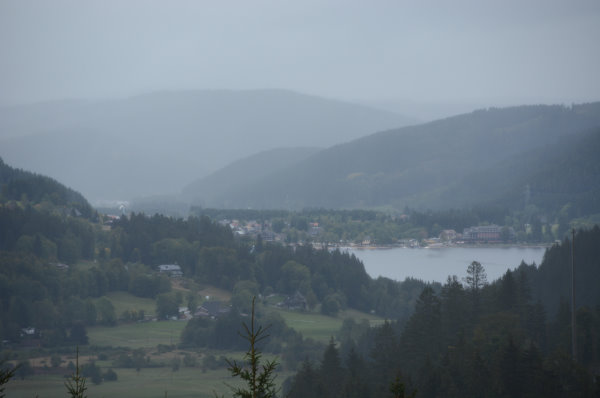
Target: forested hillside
<point>564,173</point>
<point>431,165</point>
<point>226,182</point>
<point>36,189</point>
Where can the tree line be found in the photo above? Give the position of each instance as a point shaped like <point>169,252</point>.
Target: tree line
<point>530,223</point>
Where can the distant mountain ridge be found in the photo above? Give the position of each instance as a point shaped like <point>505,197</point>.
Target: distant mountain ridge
<point>423,166</point>
<point>156,143</point>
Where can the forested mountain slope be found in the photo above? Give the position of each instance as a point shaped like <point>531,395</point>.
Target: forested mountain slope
<point>565,172</point>
<point>41,216</point>
<point>21,185</point>
<point>157,143</point>
<point>419,165</point>
<point>246,172</point>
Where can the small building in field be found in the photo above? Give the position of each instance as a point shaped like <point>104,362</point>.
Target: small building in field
<point>295,302</point>
<point>172,270</point>
<point>29,331</point>
<point>61,266</point>
<point>212,309</point>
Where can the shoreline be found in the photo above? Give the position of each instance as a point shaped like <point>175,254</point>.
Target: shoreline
<point>466,246</point>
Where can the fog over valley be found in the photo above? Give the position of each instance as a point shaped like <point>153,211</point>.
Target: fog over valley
<point>307,199</point>
<point>158,143</point>
<point>115,104</point>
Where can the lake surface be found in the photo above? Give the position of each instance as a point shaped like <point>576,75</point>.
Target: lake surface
<point>437,264</point>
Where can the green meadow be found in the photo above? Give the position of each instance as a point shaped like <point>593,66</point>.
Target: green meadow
<point>148,382</point>
<point>320,327</point>
<point>162,381</point>
<point>137,334</point>
<point>124,301</point>
<point>149,334</point>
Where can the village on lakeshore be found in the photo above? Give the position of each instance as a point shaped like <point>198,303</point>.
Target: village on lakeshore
<point>475,235</point>
<point>315,234</point>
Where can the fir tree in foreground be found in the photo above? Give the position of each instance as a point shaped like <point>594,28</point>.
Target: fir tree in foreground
<point>398,389</point>
<point>76,384</point>
<point>5,375</point>
<point>259,379</point>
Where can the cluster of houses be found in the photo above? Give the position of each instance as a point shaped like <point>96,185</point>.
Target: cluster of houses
<point>479,234</point>
<point>215,309</point>
<point>212,309</point>
<point>254,229</point>
<point>265,230</point>
<point>209,309</point>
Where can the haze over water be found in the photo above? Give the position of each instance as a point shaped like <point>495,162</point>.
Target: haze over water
<point>437,264</point>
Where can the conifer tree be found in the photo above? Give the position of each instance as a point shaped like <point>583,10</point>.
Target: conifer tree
<point>76,385</point>
<point>5,375</point>
<point>422,336</point>
<point>305,383</point>
<point>476,279</point>
<point>384,357</point>
<point>331,372</point>
<point>259,379</point>
<point>453,303</point>
<point>398,389</point>
<point>355,380</point>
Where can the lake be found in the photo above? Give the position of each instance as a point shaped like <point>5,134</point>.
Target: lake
<point>436,264</point>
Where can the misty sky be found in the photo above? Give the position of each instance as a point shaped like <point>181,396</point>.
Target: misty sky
<point>494,51</point>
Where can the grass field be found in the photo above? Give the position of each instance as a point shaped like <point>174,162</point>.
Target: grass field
<point>150,334</point>
<point>321,327</point>
<point>154,382</point>
<point>161,382</point>
<point>127,301</point>
<point>149,382</point>
<point>215,293</point>
<point>137,335</point>
<point>85,264</point>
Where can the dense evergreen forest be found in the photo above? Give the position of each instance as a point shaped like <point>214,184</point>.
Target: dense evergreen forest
<point>45,192</point>
<point>510,338</point>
